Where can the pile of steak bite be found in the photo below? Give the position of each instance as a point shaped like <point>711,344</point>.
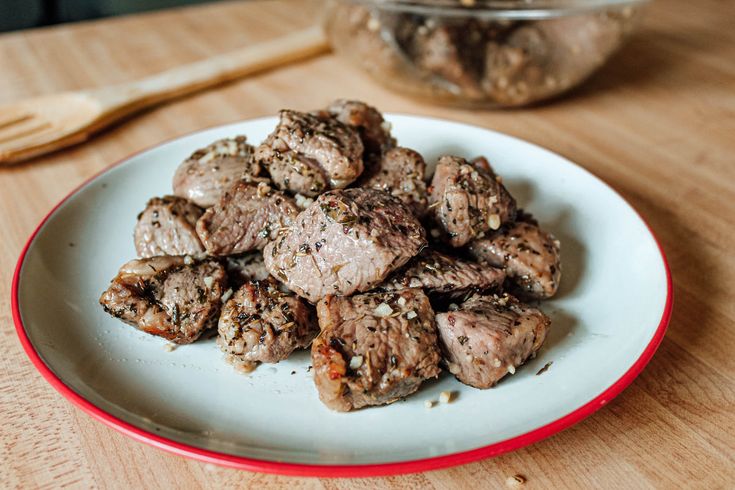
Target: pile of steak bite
<point>319,237</point>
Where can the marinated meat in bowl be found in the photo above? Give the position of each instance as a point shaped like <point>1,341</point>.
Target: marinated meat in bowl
<point>480,53</point>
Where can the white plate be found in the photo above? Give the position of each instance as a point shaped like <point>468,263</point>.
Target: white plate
<point>607,320</point>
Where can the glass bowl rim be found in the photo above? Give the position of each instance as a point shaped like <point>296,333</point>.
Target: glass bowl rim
<point>498,9</point>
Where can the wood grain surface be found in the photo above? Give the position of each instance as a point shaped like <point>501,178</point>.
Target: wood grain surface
<point>657,123</point>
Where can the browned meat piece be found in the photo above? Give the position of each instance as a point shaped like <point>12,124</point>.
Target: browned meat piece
<point>173,297</point>
<point>442,275</point>
<point>373,348</point>
<point>260,323</point>
<point>483,164</point>
<point>533,61</point>
<point>208,173</point>
<point>529,255</point>
<point>490,336</point>
<point>400,172</point>
<point>516,66</point>
<point>244,268</point>
<point>452,51</point>
<point>346,241</point>
<point>468,201</point>
<point>373,129</point>
<point>311,153</point>
<point>167,227</point>
<point>246,218</point>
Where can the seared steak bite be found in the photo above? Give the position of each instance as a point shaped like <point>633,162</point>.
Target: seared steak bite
<point>167,227</point>
<point>453,52</point>
<point>373,348</point>
<point>490,336</point>
<point>442,275</point>
<point>482,163</point>
<point>529,255</point>
<point>247,216</point>
<point>346,241</point>
<point>260,323</point>
<point>467,200</point>
<point>373,129</point>
<point>244,268</point>
<point>176,298</point>
<point>208,173</point>
<point>400,172</point>
<point>311,153</point>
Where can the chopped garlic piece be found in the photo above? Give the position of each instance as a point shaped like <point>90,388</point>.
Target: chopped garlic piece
<point>401,301</point>
<point>355,362</point>
<point>446,397</point>
<point>411,315</point>
<point>493,221</point>
<point>188,260</point>
<point>511,369</point>
<point>263,189</point>
<point>208,157</point>
<point>429,403</point>
<point>170,347</point>
<point>383,310</point>
<point>302,201</point>
<point>373,24</point>
<point>208,281</point>
<point>227,295</point>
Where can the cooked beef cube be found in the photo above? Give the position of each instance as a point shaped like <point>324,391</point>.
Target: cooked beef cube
<point>346,241</point>
<point>244,268</point>
<point>208,173</point>
<point>453,51</point>
<point>400,172</point>
<point>311,153</point>
<point>516,66</point>
<point>247,216</point>
<point>261,323</point>
<point>373,129</point>
<point>483,164</point>
<point>167,226</point>
<point>467,200</point>
<point>444,276</point>
<point>490,336</point>
<point>529,255</point>
<point>176,298</point>
<point>373,348</point>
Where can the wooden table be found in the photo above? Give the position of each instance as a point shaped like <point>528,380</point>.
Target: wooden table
<point>658,124</point>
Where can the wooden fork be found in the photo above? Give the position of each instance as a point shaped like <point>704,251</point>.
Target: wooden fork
<point>40,125</point>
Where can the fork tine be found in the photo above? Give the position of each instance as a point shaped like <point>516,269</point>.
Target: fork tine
<point>21,129</point>
<point>46,135</point>
<point>13,117</point>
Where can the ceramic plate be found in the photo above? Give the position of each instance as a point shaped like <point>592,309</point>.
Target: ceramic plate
<point>607,320</point>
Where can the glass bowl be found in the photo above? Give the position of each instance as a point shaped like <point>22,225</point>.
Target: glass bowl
<point>480,53</point>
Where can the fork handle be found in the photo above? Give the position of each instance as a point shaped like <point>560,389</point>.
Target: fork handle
<point>123,100</point>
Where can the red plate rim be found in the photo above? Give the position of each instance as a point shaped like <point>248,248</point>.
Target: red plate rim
<point>343,471</point>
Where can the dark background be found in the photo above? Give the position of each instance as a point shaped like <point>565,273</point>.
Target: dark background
<point>24,14</point>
